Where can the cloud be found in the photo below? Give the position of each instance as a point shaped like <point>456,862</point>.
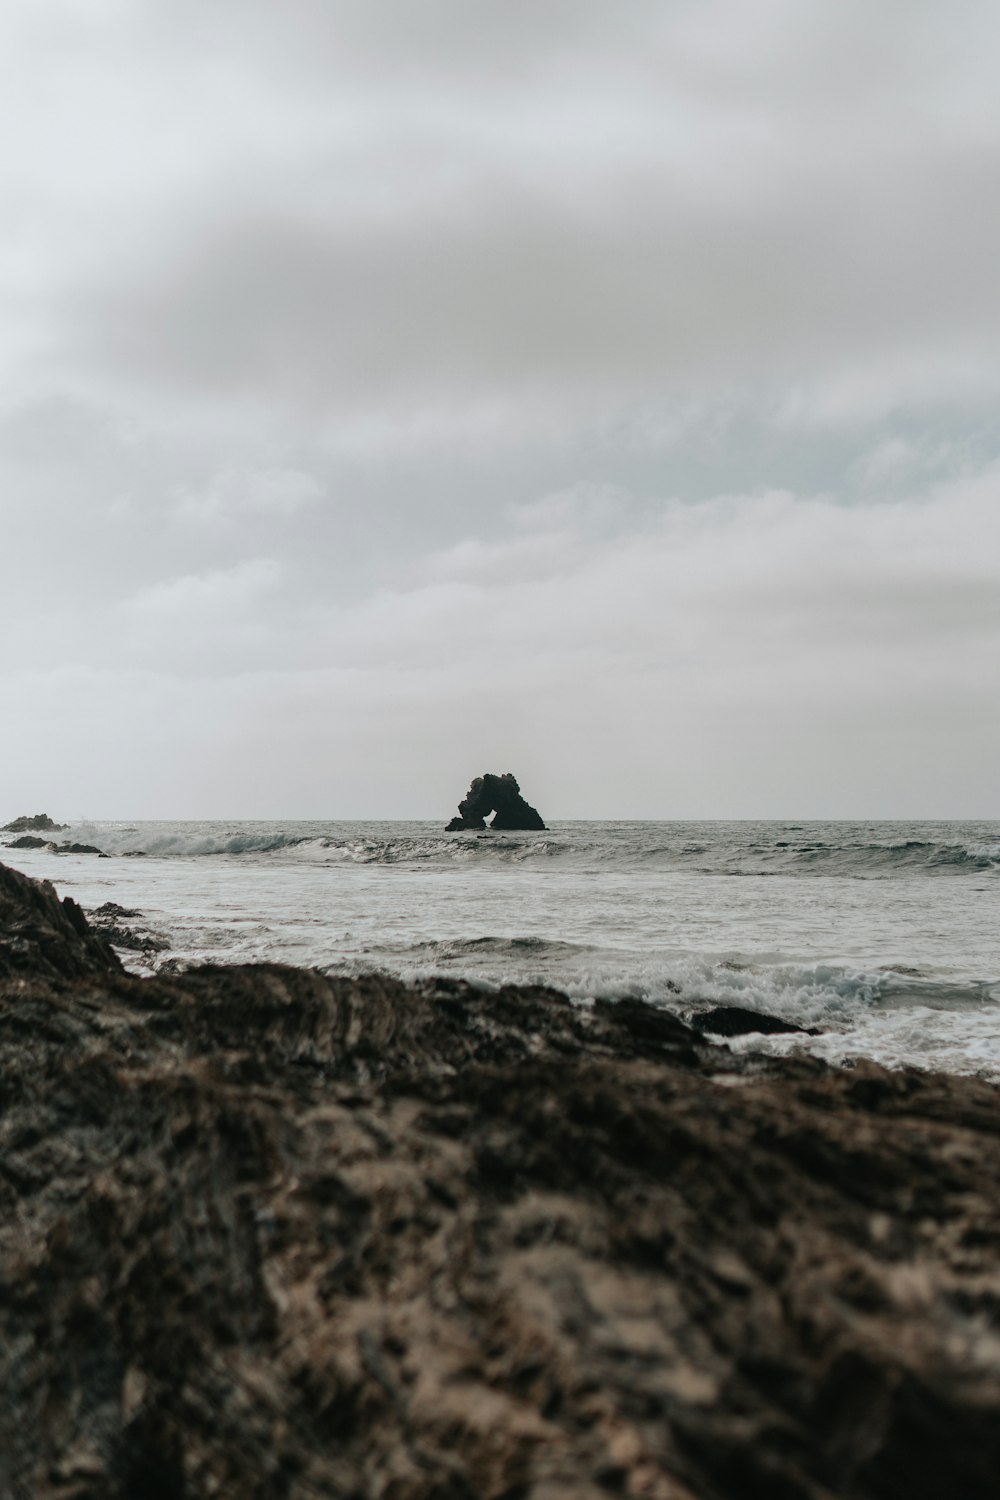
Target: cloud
<point>363,218</point>
<point>214,593</point>
<point>505,291</point>
<point>236,492</point>
<point>713,597</point>
<point>612,385</point>
<point>762,655</point>
<point>208,624</point>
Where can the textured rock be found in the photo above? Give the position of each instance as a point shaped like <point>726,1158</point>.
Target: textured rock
<point>116,924</point>
<point>267,1233</point>
<point>499,795</point>
<point>39,823</point>
<point>43,937</point>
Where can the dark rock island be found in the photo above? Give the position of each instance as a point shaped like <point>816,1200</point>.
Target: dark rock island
<point>499,795</point>
<point>267,1233</point>
<point>33,823</point>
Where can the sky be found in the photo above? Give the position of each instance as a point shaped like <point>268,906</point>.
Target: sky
<point>396,390</point>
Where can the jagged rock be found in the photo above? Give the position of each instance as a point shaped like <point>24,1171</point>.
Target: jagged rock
<point>499,795</point>
<point>111,911</point>
<point>270,1233</point>
<point>76,849</point>
<point>39,823</point>
<point>27,841</point>
<point>44,938</point>
<point>110,920</point>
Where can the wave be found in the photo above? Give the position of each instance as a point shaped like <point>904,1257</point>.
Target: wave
<point>809,994</point>
<point>846,851</point>
<point>444,850</point>
<point>863,859</point>
<point>898,1015</point>
<point>914,852</point>
<point>315,844</point>
<point>189,846</point>
<point>495,948</point>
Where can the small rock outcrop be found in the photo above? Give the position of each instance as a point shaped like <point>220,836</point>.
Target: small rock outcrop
<point>114,922</point>
<point>499,795</point>
<point>739,1020</point>
<point>36,823</point>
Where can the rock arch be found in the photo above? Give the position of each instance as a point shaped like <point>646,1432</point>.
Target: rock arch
<point>499,795</point>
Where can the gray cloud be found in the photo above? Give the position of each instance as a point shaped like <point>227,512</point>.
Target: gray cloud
<point>649,354</point>
<point>503,290</point>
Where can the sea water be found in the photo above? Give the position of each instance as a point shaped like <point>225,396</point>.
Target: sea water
<point>885,936</point>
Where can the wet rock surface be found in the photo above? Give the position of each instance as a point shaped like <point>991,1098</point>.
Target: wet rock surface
<point>124,927</point>
<point>501,796</point>
<point>268,1233</point>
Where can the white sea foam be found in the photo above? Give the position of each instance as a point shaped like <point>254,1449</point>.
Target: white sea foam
<point>883,936</point>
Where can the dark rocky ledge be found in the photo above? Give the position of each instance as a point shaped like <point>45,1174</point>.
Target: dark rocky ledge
<point>499,795</point>
<point>271,1234</point>
<point>31,841</point>
<point>33,823</point>
<point>738,1020</point>
<point>118,925</point>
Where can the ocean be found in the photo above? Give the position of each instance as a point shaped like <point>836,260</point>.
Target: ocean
<point>883,936</point>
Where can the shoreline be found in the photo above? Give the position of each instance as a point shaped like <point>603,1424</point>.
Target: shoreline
<point>870,978</point>
<point>272,1232</point>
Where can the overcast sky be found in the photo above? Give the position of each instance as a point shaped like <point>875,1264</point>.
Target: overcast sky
<point>394,390</point>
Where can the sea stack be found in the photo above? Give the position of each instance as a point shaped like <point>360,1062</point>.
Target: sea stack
<point>499,795</point>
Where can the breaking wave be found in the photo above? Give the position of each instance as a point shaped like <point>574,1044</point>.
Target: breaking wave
<point>316,843</point>
<point>854,851</point>
<point>391,851</point>
<point>872,858</point>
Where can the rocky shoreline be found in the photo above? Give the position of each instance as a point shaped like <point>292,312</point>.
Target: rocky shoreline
<point>272,1234</point>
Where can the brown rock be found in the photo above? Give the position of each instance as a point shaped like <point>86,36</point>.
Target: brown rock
<point>268,1233</point>
<point>42,937</point>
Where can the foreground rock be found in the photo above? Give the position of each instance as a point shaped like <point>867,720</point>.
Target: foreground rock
<point>43,938</point>
<point>499,795</point>
<point>267,1233</point>
<point>39,823</point>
